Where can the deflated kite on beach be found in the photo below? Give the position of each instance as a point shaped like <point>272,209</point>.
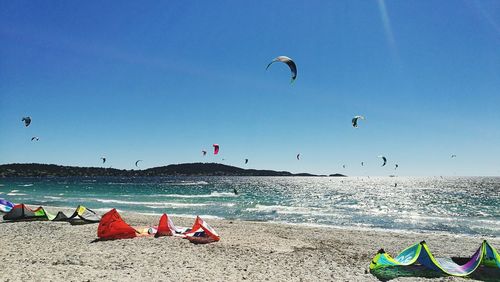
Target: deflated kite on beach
<point>82,215</point>
<point>166,227</point>
<point>420,254</point>
<point>22,212</point>
<point>5,206</point>
<point>113,227</point>
<point>201,233</point>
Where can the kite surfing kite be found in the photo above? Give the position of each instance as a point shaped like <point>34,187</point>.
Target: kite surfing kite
<point>355,121</point>
<point>137,162</point>
<point>384,159</point>
<point>453,156</point>
<point>289,62</point>
<point>113,227</point>
<point>246,161</point>
<point>298,157</point>
<point>362,164</point>
<point>420,254</point>
<point>34,138</point>
<point>27,121</point>
<point>203,152</point>
<point>103,159</point>
<point>396,166</point>
<point>5,206</point>
<point>216,149</point>
<point>343,166</point>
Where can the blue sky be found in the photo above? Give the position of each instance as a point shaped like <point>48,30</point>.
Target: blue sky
<point>162,80</point>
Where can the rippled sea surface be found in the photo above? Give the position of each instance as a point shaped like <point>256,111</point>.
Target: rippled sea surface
<point>455,205</point>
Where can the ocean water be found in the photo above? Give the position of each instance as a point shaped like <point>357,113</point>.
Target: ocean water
<point>463,205</point>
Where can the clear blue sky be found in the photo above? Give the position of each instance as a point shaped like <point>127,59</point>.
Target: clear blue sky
<point>162,80</point>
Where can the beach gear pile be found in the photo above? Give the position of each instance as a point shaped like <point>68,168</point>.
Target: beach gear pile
<point>113,227</point>
<point>21,212</point>
<point>420,254</point>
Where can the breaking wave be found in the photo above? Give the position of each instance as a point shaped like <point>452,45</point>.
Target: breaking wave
<point>14,193</point>
<point>211,195</point>
<point>52,197</point>
<point>187,183</point>
<point>151,204</point>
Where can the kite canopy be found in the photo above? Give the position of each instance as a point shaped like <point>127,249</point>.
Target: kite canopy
<point>5,206</point>
<point>203,152</point>
<point>137,162</point>
<point>384,159</point>
<point>201,233</point>
<point>22,212</point>
<point>298,157</point>
<point>166,227</point>
<point>420,254</point>
<point>112,227</point>
<point>27,121</point>
<point>83,215</point>
<point>355,120</point>
<point>216,148</point>
<point>103,159</point>
<point>289,62</point>
<point>35,138</point>
<point>246,161</point>
<point>60,216</point>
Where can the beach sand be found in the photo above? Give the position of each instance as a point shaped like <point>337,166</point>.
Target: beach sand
<point>255,251</point>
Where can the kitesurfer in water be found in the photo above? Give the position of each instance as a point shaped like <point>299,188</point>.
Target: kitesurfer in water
<point>235,191</point>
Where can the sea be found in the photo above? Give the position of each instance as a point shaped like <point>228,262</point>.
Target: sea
<point>456,205</point>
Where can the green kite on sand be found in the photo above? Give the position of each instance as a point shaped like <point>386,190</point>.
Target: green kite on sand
<point>420,254</point>
<point>22,212</point>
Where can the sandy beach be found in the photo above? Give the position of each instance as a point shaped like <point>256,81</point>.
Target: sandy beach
<point>255,251</point>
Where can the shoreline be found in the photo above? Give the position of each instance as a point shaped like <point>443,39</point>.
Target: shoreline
<point>101,211</point>
<point>248,250</point>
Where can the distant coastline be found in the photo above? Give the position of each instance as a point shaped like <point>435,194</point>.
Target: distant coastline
<point>185,169</point>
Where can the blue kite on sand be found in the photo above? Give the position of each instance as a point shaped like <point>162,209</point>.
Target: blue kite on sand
<point>5,206</point>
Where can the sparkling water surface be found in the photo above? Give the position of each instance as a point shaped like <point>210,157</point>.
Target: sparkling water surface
<point>463,205</point>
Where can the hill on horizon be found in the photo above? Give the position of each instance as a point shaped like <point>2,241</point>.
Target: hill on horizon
<point>185,169</point>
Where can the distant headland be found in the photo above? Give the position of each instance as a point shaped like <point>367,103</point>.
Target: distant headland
<point>186,169</point>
